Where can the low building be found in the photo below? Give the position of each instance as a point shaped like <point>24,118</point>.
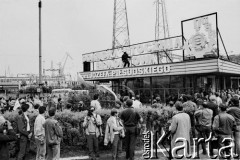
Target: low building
<point>167,67</point>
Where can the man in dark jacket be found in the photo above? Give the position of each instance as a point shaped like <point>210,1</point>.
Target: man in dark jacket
<point>25,131</point>
<point>125,57</point>
<point>234,110</point>
<point>130,120</point>
<point>53,134</point>
<point>223,125</point>
<point>6,135</point>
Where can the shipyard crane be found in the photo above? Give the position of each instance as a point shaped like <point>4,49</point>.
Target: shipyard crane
<point>62,67</point>
<point>51,69</point>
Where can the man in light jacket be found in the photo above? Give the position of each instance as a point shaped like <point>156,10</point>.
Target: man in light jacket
<point>39,133</point>
<point>53,134</point>
<point>92,124</point>
<point>180,128</point>
<point>114,133</point>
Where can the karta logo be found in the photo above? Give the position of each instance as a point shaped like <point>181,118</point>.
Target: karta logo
<point>173,152</point>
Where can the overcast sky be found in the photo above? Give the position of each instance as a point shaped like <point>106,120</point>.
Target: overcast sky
<point>80,26</point>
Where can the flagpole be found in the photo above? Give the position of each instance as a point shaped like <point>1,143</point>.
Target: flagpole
<point>40,44</point>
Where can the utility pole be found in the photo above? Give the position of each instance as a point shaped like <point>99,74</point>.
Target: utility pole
<point>40,44</point>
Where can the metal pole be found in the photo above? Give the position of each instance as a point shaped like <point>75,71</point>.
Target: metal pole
<point>40,43</point>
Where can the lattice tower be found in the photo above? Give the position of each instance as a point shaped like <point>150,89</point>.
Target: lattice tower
<point>120,25</point>
<point>161,29</point>
<point>161,25</point>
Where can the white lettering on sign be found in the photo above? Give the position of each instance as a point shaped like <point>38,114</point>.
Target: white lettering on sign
<point>128,72</point>
<point>143,48</point>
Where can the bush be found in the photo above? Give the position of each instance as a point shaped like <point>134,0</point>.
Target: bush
<point>74,134</point>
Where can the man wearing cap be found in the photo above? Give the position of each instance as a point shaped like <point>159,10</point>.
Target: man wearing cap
<point>92,124</point>
<point>7,134</point>
<point>224,124</point>
<point>130,119</point>
<point>234,110</point>
<point>203,121</point>
<point>114,133</point>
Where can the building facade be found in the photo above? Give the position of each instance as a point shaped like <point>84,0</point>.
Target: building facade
<point>183,64</point>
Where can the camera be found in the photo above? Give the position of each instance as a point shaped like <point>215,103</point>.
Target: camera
<point>90,113</point>
<point>5,125</point>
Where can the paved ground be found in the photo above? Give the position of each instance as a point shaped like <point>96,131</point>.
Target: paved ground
<point>138,156</point>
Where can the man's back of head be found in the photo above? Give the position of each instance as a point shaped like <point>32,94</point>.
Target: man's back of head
<point>179,106</point>
<point>223,107</point>
<point>129,103</point>
<point>235,101</point>
<point>52,111</point>
<point>41,110</point>
<point>95,97</point>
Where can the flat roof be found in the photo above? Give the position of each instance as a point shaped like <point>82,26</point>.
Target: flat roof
<point>198,66</point>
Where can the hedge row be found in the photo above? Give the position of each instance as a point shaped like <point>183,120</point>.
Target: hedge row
<point>73,132</point>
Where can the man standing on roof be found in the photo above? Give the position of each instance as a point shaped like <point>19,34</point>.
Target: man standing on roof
<point>125,57</point>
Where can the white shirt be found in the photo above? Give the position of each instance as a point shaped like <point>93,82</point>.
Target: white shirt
<point>28,125</point>
<point>137,104</point>
<point>38,126</point>
<point>116,124</point>
<point>219,100</point>
<point>96,104</point>
<point>17,104</point>
<point>30,106</point>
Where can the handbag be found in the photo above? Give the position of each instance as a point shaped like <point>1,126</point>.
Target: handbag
<point>121,132</point>
<point>138,129</point>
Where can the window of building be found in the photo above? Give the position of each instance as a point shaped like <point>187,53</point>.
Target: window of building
<point>176,82</point>
<point>161,82</point>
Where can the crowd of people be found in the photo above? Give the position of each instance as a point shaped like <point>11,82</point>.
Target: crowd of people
<point>197,116</point>
<point>206,116</point>
<point>47,133</point>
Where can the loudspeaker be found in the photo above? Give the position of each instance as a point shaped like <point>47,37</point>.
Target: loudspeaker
<point>86,66</point>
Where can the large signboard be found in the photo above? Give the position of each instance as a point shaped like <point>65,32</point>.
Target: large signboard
<point>127,72</point>
<point>147,53</point>
<point>200,38</point>
<point>180,68</point>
